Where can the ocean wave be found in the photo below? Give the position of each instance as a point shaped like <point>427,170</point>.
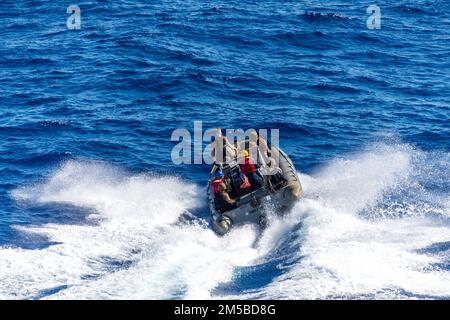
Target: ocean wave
<point>334,87</point>
<point>52,157</point>
<point>291,129</point>
<point>333,244</point>
<point>313,16</point>
<point>412,9</point>
<point>137,234</point>
<point>25,62</point>
<point>313,40</point>
<point>30,128</point>
<point>341,253</point>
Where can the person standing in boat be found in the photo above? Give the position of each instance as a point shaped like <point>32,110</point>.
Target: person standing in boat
<point>221,143</point>
<point>256,141</point>
<point>249,169</point>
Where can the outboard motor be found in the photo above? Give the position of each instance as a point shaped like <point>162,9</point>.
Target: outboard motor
<point>222,226</point>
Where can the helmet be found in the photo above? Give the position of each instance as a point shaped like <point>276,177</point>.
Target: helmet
<point>219,174</point>
<point>244,153</point>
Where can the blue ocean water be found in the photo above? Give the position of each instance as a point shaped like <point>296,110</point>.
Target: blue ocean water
<point>91,205</point>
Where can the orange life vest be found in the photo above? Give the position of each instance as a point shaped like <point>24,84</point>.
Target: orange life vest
<point>215,184</point>
<point>248,166</point>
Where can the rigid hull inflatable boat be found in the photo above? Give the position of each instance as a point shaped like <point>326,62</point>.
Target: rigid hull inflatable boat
<point>278,194</point>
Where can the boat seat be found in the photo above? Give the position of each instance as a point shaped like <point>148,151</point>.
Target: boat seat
<point>233,172</point>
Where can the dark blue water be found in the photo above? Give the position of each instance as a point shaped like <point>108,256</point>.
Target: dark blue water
<point>91,205</point>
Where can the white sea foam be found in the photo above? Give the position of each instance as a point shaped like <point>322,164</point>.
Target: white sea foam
<point>344,255</point>
<point>137,218</point>
<point>137,248</point>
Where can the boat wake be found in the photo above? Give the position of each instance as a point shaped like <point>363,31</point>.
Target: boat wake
<point>372,227</point>
<point>375,224</point>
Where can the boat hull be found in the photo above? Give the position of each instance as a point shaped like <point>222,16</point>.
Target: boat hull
<point>254,207</point>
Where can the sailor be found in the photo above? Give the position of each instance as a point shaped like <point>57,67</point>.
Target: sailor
<point>256,142</point>
<point>218,179</point>
<point>229,151</point>
<point>259,142</point>
<point>223,201</point>
<point>250,171</point>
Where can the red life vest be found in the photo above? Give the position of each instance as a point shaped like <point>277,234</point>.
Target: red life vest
<point>215,184</point>
<point>248,166</point>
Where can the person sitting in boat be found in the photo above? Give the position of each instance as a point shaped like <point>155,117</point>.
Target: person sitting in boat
<point>223,201</point>
<point>218,179</point>
<point>249,169</point>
